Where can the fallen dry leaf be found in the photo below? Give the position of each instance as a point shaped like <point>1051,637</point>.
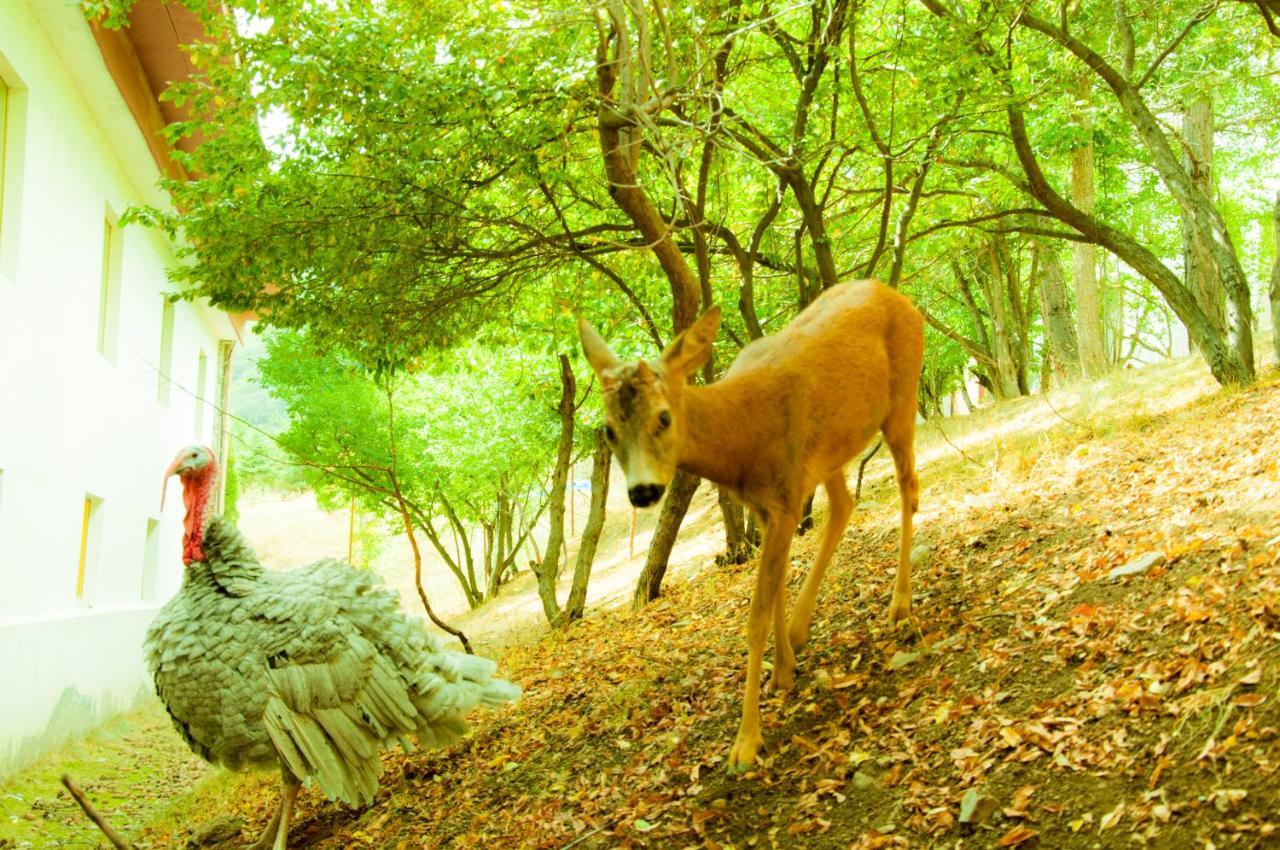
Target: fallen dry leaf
<point>1017,835</point>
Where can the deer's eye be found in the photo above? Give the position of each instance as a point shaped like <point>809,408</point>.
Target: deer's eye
<point>609,435</point>
<point>664,420</point>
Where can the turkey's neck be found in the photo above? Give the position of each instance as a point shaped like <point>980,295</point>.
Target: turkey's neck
<point>195,495</point>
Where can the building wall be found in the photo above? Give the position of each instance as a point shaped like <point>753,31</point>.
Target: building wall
<point>73,422</point>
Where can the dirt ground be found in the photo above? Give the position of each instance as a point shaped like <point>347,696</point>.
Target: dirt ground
<point>1092,662</point>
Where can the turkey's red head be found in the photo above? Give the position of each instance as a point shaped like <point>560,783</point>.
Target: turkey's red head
<point>197,468</point>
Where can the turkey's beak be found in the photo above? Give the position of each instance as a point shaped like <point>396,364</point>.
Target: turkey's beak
<point>164,486</point>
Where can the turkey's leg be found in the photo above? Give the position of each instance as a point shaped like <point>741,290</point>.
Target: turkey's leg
<point>286,813</point>
<point>276,834</point>
<point>268,836</point>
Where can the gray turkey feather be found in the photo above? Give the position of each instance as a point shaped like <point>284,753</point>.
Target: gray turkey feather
<point>313,669</point>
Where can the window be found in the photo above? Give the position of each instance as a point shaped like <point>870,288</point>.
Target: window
<point>202,377</point>
<point>90,534</point>
<point>109,295</point>
<point>4,148</point>
<point>150,559</point>
<point>165,366</point>
<point>13,108</point>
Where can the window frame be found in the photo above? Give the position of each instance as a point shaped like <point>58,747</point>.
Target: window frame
<point>90,545</point>
<point>110,286</point>
<point>202,388</point>
<point>164,366</point>
<point>150,560</point>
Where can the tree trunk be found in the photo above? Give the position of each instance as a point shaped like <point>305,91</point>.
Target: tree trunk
<point>674,507</point>
<point>1200,273</point>
<point>969,405</point>
<point>1092,344</point>
<point>1275,285</point>
<point>1113,312</point>
<point>402,508</point>
<point>473,598</point>
<point>737,550</point>
<point>806,516</point>
<point>1021,310</point>
<point>487,566</point>
<point>626,85</point>
<point>1005,383</point>
<point>549,569</point>
<point>816,226</point>
<point>468,578</point>
<point>600,457</point>
<point>501,540</point>
<point>1055,309</point>
<point>1124,35</point>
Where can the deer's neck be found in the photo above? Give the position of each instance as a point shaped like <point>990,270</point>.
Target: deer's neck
<point>718,444</point>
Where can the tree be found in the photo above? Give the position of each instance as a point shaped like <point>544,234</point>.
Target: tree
<point>600,459</point>
<point>1275,281</point>
<point>1230,355</point>
<point>548,571</point>
<point>1201,274</point>
<point>1084,254</point>
<point>419,443</point>
<point>1055,311</point>
<point>998,303</point>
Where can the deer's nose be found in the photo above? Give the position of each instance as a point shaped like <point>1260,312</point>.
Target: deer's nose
<point>644,495</point>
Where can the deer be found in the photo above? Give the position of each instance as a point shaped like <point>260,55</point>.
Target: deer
<point>789,413</point>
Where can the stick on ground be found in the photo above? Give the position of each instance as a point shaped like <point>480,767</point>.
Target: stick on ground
<point>78,795</point>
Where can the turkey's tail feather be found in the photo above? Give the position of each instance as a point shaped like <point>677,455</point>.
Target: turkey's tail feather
<point>475,675</point>
<point>335,739</point>
<point>386,679</point>
<point>449,688</point>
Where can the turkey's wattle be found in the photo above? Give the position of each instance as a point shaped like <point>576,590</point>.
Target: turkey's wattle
<point>313,670</point>
<point>197,468</point>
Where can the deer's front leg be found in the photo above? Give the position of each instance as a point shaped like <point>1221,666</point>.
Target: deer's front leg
<point>773,559</point>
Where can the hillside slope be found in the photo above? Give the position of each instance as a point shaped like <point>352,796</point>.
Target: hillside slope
<point>1064,704</point>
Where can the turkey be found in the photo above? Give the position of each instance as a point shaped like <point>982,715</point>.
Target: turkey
<point>312,670</point>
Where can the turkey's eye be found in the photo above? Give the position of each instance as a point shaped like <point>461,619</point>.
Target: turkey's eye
<point>609,435</point>
<point>664,421</point>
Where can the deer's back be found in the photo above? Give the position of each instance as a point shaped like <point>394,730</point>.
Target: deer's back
<point>847,331</point>
<point>833,375</point>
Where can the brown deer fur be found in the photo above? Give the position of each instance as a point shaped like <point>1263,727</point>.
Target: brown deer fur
<point>790,412</point>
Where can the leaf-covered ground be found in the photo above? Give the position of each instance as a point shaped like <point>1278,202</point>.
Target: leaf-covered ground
<point>1039,698</point>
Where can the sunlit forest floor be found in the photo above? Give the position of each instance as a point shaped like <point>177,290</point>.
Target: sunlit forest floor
<point>1092,662</point>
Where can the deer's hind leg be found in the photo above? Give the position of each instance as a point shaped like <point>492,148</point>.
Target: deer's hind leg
<point>841,506</point>
<point>784,657</point>
<point>900,434</point>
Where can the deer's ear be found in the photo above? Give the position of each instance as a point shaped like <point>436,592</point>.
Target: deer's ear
<point>691,349</point>
<point>598,354</point>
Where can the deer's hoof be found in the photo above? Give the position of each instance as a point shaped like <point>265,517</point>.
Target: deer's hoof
<point>742,756</point>
<point>782,681</point>
<point>798,637</point>
<point>899,610</point>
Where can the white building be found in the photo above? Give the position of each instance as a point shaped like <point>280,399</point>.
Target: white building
<point>102,379</point>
